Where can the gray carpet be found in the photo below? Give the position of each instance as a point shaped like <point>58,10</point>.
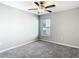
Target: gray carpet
<point>41,49</point>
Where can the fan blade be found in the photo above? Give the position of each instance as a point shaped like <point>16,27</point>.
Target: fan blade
<point>50,6</point>
<point>49,11</point>
<point>33,9</point>
<point>42,2</point>
<point>36,3</point>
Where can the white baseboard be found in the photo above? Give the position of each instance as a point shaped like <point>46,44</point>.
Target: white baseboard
<point>17,46</point>
<point>62,44</point>
<point>36,40</point>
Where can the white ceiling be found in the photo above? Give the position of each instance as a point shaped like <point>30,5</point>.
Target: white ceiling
<point>60,5</point>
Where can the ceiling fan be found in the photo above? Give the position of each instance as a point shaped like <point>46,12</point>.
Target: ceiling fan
<point>41,7</point>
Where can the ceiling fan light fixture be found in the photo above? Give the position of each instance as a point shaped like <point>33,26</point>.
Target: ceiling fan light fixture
<point>42,6</point>
<point>41,9</point>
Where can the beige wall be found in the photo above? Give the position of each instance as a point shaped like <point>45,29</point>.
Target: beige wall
<point>16,27</point>
<point>64,27</point>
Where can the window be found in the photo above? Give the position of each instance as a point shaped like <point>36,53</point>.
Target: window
<point>45,27</point>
